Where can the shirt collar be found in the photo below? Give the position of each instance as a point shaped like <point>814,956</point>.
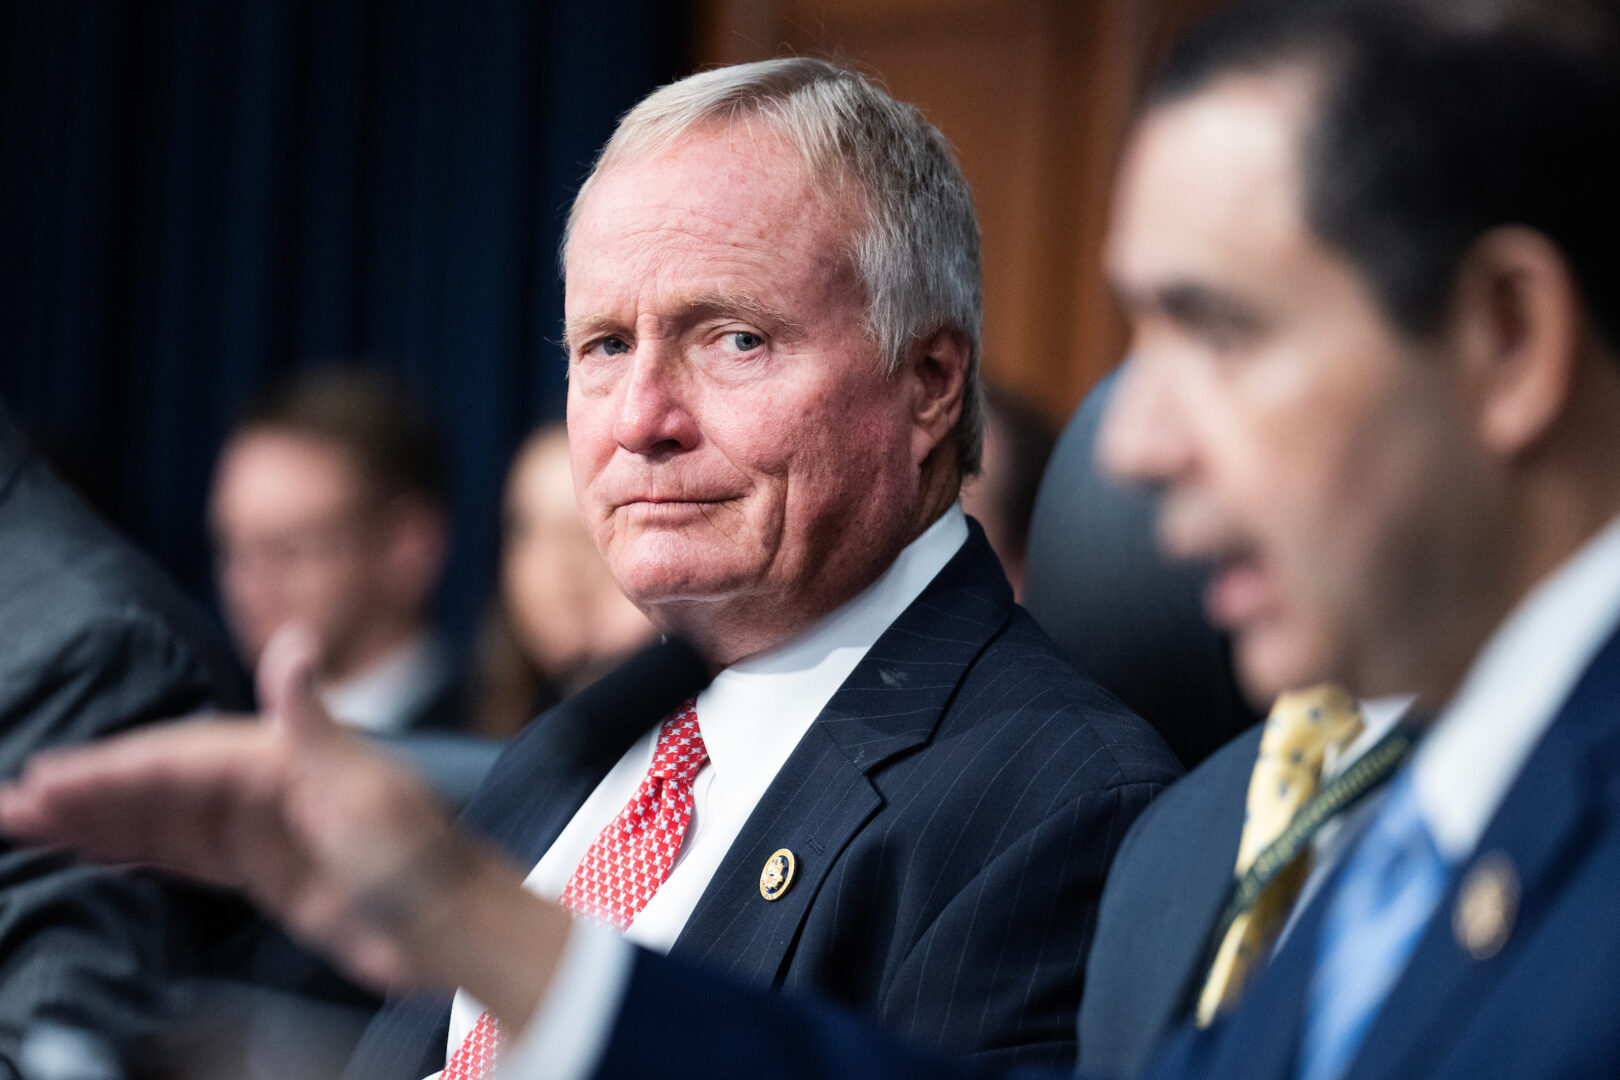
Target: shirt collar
<point>386,695</point>
<point>754,712</point>
<point>1378,715</point>
<point>1508,699</point>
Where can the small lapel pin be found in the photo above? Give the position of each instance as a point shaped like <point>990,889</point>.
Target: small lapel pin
<point>1487,904</point>
<point>777,876</point>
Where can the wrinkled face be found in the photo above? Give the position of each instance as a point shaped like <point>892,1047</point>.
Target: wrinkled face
<point>293,540</point>
<point>1312,455</point>
<point>741,461</point>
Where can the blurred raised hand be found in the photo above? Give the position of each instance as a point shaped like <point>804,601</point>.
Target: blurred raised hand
<point>332,837</point>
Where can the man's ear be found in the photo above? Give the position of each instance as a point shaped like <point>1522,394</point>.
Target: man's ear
<point>936,372</point>
<point>1515,319</point>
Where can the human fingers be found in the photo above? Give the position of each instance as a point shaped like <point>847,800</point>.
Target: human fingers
<point>286,683</point>
<point>165,796</point>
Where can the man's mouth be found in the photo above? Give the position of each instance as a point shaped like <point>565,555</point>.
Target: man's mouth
<point>661,508</point>
<point>1192,531</point>
<point>1236,590</point>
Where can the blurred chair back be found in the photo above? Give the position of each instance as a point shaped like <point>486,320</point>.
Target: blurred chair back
<point>452,763</point>
<point>1129,620</point>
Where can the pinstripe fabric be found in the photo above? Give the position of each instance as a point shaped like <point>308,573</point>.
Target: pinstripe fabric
<point>953,810</point>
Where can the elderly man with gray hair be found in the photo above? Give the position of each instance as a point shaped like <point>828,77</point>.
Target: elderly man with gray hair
<point>854,767</point>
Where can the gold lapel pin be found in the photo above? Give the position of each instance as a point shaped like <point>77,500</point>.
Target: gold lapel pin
<point>777,876</point>
<point>1487,904</point>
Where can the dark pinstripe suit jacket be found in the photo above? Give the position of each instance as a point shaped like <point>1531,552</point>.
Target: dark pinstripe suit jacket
<point>953,810</point>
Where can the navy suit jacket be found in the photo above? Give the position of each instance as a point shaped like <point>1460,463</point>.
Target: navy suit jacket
<point>1547,1004</point>
<point>953,810</point>
<point>1165,893</point>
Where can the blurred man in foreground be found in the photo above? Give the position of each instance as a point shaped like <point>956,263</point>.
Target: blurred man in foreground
<point>894,791</point>
<point>328,510</point>
<point>1363,248</point>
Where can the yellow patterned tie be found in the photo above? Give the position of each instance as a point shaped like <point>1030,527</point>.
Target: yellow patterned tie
<point>1299,731</point>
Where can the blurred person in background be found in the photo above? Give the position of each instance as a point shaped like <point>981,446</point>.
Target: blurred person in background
<point>1017,442</point>
<point>328,509</point>
<point>560,622</point>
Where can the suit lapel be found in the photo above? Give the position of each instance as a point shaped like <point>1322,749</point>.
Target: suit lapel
<point>1148,957</point>
<point>567,750</point>
<point>564,753</point>
<point>1260,1041</point>
<point>1204,878</point>
<point>1538,830</point>
<point>890,704</point>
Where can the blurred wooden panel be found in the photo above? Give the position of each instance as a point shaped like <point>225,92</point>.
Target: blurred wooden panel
<point>1034,96</point>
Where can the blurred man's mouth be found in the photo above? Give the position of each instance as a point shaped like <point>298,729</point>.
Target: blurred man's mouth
<point>1236,590</point>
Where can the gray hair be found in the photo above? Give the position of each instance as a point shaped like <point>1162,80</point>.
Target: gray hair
<point>918,254</point>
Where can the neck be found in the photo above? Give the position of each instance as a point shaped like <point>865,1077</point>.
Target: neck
<point>366,650</point>
<point>725,633</point>
<point>1551,518</point>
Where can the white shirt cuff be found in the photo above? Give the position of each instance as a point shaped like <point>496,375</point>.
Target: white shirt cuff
<point>569,1030</point>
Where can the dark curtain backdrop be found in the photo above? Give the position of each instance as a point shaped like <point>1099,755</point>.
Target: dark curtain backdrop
<point>197,196</point>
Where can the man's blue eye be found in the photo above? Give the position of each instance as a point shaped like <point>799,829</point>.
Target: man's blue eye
<point>614,346</point>
<point>745,341</point>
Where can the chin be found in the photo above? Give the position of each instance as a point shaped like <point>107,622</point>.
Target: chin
<point>1271,662</point>
<point>656,584</point>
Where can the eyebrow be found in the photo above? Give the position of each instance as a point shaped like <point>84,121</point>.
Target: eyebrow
<point>707,305</point>
<point>749,308</point>
<point>1194,304</point>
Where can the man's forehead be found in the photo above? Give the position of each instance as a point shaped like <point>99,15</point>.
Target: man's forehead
<point>1208,177</point>
<point>268,475</point>
<point>733,176</point>
<point>722,219</point>
<point>271,448</point>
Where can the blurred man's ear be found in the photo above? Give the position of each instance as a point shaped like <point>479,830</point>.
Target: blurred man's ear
<point>1515,321</point>
<point>936,368</point>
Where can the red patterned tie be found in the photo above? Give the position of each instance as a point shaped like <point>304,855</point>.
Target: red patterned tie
<point>476,1056</point>
<point>624,867</point>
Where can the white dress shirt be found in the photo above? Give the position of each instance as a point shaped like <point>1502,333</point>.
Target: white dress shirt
<point>752,716</point>
<point>384,697</point>
<point>1479,745</point>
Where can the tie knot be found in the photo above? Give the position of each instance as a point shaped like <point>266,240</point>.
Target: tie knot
<point>1305,723</point>
<point>680,752</point>
<point>1301,727</point>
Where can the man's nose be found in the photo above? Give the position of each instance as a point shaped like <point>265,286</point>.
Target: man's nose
<point>1143,437</point>
<point>654,413</point>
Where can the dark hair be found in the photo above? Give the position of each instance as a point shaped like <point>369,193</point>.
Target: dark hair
<point>1437,121</point>
<point>370,414</point>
